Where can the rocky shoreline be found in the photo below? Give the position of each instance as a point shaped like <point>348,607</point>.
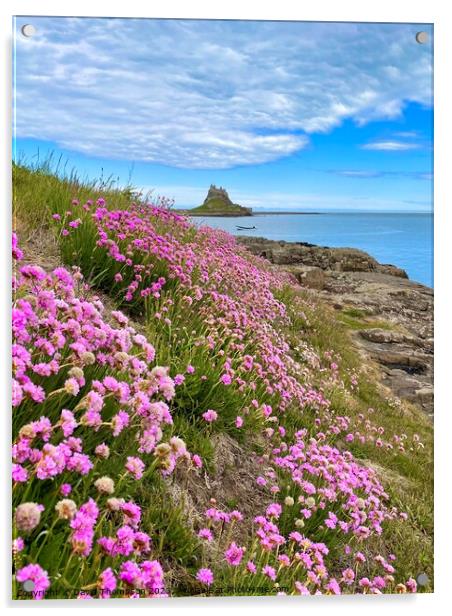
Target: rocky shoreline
<point>355,283</point>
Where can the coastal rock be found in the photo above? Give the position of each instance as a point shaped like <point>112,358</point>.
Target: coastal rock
<point>396,314</point>
<point>308,276</point>
<point>403,349</point>
<point>387,336</point>
<point>334,259</point>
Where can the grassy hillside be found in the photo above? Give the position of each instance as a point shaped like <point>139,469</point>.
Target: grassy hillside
<point>188,420</point>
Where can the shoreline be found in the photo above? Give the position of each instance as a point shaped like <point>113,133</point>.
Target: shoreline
<point>236,215</point>
<point>390,316</point>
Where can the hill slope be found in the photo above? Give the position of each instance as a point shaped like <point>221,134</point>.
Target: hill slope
<point>188,419</point>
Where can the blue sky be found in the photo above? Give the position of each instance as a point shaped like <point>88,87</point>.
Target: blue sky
<point>293,116</point>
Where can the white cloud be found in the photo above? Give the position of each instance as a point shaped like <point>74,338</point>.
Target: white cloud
<point>390,146</point>
<point>357,173</point>
<point>210,94</point>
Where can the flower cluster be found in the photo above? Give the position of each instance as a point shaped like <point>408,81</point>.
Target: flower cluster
<point>94,418</point>
<point>80,382</point>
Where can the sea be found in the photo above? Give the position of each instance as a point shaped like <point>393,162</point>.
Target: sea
<point>404,240</point>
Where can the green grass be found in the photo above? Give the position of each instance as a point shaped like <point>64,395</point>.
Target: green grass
<point>356,319</point>
<point>48,187</point>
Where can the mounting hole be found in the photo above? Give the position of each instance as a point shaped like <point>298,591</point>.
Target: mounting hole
<point>422,37</point>
<point>28,30</point>
<point>422,579</point>
<point>28,586</point>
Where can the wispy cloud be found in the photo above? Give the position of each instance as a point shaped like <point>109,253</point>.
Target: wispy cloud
<point>210,94</point>
<point>366,174</point>
<point>391,146</point>
<point>351,173</point>
<point>407,134</point>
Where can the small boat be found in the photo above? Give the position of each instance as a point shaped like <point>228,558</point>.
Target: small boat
<point>243,228</point>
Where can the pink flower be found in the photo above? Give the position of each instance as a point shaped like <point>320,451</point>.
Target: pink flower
<point>68,422</point>
<point>19,473</point>
<point>348,576</point>
<point>65,489</point>
<point>411,585</point>
<point>238,421</point>
<point>273,510</point>
<point>234,554</point>
<point>132,514</point>
<point>225,379</point>
<point>206,534</point>
<point>301,589</point>
<point>17,253</point>
<point>18,545</point>
<point>205,576</point>
<point>333,587</point>
<point>135,466</point>
<point>38,577</point>
<point>251,566</point>
<point>210,416</point>
<point>269,572</point>
<point>197,461</point>
<point>360,558</point>
<point>106,583</point>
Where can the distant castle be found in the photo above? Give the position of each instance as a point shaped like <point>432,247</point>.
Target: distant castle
<point>220,192</point>
<point>218,203</point>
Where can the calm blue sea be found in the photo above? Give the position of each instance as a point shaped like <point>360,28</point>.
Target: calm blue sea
<point>405,240</point>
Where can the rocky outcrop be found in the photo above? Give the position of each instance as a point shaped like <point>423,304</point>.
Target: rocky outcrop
<point>404,352</point>
<point>351,280</point>
<point>336,259</point>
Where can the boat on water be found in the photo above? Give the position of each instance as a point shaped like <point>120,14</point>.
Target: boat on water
<point>243,228</point>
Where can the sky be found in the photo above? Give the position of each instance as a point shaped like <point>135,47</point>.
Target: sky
<point>292,116</point>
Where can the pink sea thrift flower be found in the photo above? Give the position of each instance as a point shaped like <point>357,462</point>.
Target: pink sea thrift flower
<point>135,466</point>
<point>65,489</point>
<point>234,554</point>
<point>269,572</point>
<point>205,576</point>
<point>411,585</point>
<point>301,589</point>
<point>210,416</point>
<point>19,473</point>
<point>333,587</point>
<point>206,534</point>
<point>106,583</point>
<point>251,566</point>
<point>18,545</point>
<point>348,576</point>
<point>197,461</point>
<point>38,576</point>
<point>273,510</point>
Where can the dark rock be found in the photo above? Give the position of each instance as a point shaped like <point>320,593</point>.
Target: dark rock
<point>335,259</point>
<point>308,276</point>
